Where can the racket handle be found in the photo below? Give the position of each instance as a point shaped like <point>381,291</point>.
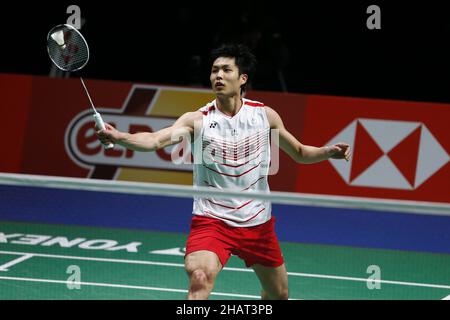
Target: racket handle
<point>101,125</point>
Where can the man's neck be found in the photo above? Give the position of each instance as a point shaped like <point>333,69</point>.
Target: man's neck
<point>229,105</point>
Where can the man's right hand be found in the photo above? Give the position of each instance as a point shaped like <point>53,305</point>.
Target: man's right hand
<point>109,134</point>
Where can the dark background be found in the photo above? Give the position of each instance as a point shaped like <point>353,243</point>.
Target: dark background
<point>321,47</point>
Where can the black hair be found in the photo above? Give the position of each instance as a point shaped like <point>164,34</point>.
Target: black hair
<point>244,59</point>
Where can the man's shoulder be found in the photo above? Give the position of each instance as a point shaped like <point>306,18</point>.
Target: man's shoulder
<point>273,117</point>
<point>193,115</point>
<point>189,119</point>
<point>209,107</point>
<point>254,103</point>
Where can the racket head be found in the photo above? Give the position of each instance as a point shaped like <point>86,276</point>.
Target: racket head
<point>67,48</point>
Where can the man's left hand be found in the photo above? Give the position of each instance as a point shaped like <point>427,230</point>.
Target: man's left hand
<point>339,151</point>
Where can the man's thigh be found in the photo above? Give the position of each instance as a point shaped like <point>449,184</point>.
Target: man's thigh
<point>204,260</point>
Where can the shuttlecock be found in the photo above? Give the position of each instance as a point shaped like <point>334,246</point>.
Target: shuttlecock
<point>58,36</point>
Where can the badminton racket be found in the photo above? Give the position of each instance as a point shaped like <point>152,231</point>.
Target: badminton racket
<point>69,51</point>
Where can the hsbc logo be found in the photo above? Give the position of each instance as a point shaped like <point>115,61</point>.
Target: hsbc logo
<point>389,154</point>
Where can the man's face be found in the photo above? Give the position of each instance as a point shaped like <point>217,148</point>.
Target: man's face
<point>225,78</point>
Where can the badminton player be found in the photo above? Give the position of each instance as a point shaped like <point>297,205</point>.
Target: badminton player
<point>235,154</point>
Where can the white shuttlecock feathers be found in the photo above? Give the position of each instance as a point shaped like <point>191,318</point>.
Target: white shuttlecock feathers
<point>58,36</point>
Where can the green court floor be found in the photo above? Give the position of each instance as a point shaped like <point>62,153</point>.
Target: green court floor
<point>40,261</point>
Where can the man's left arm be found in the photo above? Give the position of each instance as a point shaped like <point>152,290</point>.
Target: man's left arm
<point>303,153</point>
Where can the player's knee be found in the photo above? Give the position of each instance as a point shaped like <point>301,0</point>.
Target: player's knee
<point>283,294</point>
<point>280,293</point>
<point>200,277</point>
<point>264,295</point>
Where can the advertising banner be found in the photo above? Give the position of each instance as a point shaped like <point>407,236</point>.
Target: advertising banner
<point>400,149</point>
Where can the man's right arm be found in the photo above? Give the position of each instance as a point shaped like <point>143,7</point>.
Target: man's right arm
<point>151,141</point>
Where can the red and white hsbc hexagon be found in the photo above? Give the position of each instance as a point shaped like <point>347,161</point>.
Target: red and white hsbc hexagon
<point>400,150</point>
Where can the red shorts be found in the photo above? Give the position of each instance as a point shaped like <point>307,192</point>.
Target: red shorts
<point>254,245</point>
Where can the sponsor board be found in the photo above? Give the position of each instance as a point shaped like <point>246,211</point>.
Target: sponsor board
<point>401,150</point>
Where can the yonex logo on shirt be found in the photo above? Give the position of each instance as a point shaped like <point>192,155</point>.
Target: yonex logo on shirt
<point>213,124</point>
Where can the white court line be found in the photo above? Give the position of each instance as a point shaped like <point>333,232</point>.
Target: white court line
<point>5,266</point>
<point>123,286</point>
<point>180,265</point>
<point>401,283</point>
<point>446,298</point>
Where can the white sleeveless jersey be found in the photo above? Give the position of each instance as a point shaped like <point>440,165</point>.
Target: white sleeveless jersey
<point>235,155</point>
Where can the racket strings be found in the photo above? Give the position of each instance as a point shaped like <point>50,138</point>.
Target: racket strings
<point>71,54</point>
